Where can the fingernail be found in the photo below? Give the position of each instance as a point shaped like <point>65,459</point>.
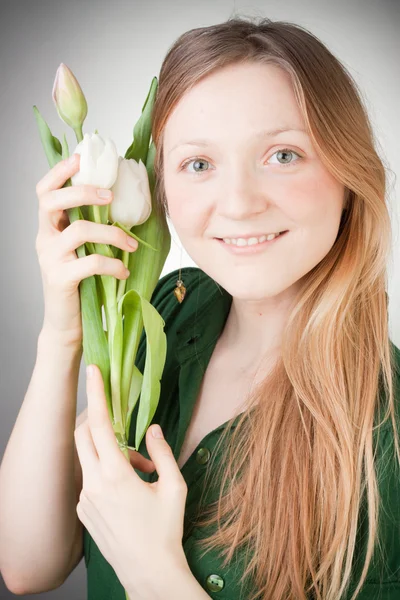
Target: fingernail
<point>71,159</point>
<point>156,431</point>
<point>89,371</point>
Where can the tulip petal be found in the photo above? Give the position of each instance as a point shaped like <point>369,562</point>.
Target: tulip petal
<point>98,163</point>
<point>131,205</point>
<point>68,98</point>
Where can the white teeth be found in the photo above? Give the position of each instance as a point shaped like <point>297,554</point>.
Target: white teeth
<point>250,241</point>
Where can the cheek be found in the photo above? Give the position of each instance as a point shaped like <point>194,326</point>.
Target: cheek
<point>314,198</point>
<point>188,212</point>
<point>316,215</point>
<point>187,220</point>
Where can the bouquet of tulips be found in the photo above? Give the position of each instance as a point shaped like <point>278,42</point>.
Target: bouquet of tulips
<point>124,305</point>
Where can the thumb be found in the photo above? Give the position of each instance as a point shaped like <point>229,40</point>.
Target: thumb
<point>163,458</point>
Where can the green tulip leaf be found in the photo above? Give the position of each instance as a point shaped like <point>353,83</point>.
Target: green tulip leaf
<point>142,130</point>
<point>57,145</point>
<point>64,148</point>
<point>134,393</point>
<point>95,344</point>
<point>132,305</point>
<point>118,224</point>
<point>51,148</point>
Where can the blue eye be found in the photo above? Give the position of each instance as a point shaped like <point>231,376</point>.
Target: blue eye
<point>198,159</point>
<point>287,151</point>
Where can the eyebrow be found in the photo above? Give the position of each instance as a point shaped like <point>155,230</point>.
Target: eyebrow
<point>260,135</point>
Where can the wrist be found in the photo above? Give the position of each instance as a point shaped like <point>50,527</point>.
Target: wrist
<point>179,584</point>
<point>62,340</point>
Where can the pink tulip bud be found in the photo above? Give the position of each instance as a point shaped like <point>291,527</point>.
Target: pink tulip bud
<point>68,97</point>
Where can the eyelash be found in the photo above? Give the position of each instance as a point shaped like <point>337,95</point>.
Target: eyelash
<point>187,162</point>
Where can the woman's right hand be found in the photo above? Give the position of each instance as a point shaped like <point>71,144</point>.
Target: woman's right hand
<point>57,240</point>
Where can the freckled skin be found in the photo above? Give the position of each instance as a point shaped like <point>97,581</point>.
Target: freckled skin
<point>243,185</point>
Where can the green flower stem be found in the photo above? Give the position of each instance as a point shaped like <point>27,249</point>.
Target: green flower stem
<point>124,385</point>
<point>131,345</point>
<point>115,345</point>
<point>122,282</point>
<point>79,133</point>
<point>108,291</point>
<point>121,415</point>
<point>110,308</point>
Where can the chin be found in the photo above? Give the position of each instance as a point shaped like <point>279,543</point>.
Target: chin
<point>249,286</point>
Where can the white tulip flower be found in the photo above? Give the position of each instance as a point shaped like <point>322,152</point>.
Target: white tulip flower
<point>131,204</point>
<point>98,161</point>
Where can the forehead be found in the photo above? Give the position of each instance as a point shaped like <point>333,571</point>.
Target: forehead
<point>237,98</point>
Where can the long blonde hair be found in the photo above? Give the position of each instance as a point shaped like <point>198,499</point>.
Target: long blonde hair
<point>298,470</point>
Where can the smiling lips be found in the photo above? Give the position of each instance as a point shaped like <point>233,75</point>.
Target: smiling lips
<point>250,235</point>
<point>249,241</point>
<point>252,248</point>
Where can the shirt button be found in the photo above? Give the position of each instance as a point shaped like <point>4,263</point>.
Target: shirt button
<point>214,583</point>
<point>203,456</point>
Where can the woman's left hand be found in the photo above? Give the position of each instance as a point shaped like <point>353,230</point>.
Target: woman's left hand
<point>137,526</point>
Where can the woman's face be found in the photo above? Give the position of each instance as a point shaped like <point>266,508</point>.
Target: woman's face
<point>237,181</point>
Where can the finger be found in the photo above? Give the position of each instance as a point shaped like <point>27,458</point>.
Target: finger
<point>99,421</point>
<point>58,175</point>
<point>170,476</point>
<point>87,454</point>
<point>70,197</point>
<point>140,463</point>
<point>54,221</point>
<point>82,231</point>
<point>49,215</point>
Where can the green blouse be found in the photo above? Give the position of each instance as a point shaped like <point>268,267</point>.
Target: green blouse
<point>192,329</point>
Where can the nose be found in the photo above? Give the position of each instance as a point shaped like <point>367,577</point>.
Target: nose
<point>242,196</point>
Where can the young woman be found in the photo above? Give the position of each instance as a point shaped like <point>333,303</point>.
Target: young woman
<point>281,386</point>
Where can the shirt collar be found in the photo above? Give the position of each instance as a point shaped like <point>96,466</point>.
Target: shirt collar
<point>207,316</point>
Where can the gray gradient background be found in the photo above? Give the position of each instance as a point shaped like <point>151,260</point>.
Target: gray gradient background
<point>114,49</point>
